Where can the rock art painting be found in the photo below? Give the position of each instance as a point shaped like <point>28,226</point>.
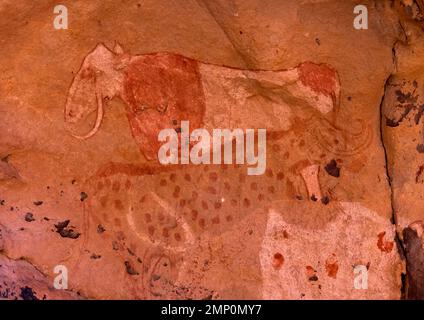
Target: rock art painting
<point>304,274</point>
<point>89,209</point>
<point>171,208</point>
<point>160,90</point>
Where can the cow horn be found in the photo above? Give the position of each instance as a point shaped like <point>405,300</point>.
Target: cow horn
<point>99,118</point>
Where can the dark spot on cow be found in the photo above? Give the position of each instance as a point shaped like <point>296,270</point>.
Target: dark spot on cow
<point>213,176</point>
<point>280,175</point>
<point>246,202</point>
<point>118,204</point>
<point>194,214</point>
<point>215,220</point>
<point>269,173</point>
<point>116,186</point>
<point>204,205</point>
<point>165,232</point>
<point>211,190</point>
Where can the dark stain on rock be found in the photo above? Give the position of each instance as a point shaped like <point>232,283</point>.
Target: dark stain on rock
<point>414,254</point>
<point>407,103</point>
<point>313,278</point>
<point>28,294</point>
<point>29,217</point>
<point>391,123</point>
<point>332,169</point>
<point>419,114</point>
<point>95,256</point>
<point>65,232</point>
<point>325,200</point>
<point>2,202</point>
<point>418,178</point>
<point>83,196</point>
<point>420,148</point>
<point>38,203</point>
<point>130,269</point>
<point>100,229</point>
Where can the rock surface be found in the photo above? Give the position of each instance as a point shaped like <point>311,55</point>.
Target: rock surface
<point>337,212</point>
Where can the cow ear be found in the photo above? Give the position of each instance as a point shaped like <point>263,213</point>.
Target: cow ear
<point>122,61</point>
<point>118,49</point>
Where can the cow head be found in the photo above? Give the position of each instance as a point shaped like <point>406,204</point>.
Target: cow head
<point>99,78</point>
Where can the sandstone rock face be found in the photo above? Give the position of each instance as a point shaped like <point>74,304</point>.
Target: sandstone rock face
<point>336,212</point>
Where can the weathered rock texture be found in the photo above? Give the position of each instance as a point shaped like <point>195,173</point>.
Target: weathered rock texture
<point>81,186</point>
